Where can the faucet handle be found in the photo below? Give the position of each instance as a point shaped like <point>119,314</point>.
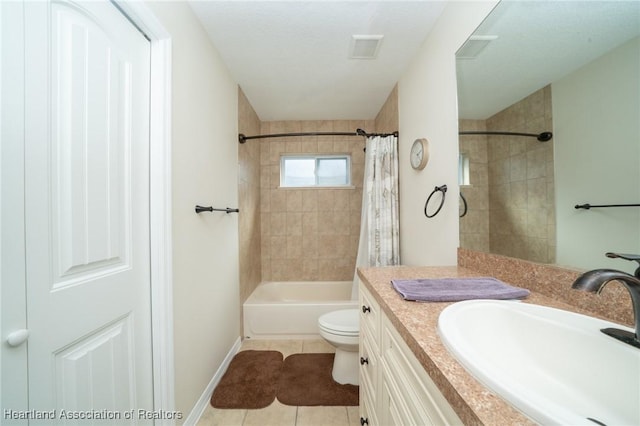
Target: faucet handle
<point>631,257</point>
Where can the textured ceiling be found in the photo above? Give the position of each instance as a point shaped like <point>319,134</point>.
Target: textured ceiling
<point>291,58</point>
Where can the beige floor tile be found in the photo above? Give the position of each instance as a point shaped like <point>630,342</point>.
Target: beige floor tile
<point>317,346</point>
<point>354,415</point>
<point>255,345</point>
<point>287,347</point>
<point>276,414</point>
<point>322,416</point>
<point>217,417</point>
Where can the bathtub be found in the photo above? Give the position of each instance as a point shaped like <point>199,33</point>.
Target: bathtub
<point>290,309</point>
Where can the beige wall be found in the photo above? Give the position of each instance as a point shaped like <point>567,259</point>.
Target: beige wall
<point>522,206</point>
<point>249,233</point>
<point>310,234</point>
<point>597,134</point>
<point>204,171</point>
<point>428,109</point>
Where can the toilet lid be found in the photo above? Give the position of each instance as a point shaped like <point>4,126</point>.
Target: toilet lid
<point>345,322</point>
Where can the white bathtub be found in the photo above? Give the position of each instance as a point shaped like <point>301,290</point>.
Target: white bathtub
<point>290,309</point>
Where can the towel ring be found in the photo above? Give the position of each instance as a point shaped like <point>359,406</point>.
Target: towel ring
<point>464,202</point>
<point>442,189</point>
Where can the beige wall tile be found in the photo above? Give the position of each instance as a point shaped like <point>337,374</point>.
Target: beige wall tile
<point>294,223</point>
<point>250,221</point>
<point>294,200</point>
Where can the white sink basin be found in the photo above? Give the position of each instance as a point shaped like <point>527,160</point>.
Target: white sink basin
<point>554,365</point>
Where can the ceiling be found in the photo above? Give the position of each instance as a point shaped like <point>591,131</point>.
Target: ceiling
<point>291,58</point>
<point>539,42</point>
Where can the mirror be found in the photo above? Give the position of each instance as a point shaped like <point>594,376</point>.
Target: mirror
<point>572,68</point>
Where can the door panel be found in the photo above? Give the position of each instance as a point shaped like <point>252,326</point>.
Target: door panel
<point>81,376</point>
<point>87,208</point>
<point>91,170</point>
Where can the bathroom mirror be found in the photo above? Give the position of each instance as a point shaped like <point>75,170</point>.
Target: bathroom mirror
<point>573,68</point>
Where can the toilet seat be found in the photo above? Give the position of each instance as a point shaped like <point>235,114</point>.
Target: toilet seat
<point>345,322</point>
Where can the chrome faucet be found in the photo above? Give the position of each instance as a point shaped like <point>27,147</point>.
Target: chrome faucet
<point>594,281</point>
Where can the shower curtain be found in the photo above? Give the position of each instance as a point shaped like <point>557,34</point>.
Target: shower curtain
<point>380,225</point>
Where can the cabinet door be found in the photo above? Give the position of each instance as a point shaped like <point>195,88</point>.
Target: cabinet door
<point>392,409</point>
<point>422,400</point>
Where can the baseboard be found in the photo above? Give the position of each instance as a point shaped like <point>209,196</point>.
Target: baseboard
<point>204,399</point>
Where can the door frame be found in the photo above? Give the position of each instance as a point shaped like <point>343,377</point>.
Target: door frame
<point>159,204</point>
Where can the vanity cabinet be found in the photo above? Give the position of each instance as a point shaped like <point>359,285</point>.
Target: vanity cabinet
<point>394,387</point>
<point>369,357</point>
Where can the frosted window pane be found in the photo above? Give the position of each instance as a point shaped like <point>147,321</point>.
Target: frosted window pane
<point>312,170</point>
<point>463,169</point>
<point>299,172</point>
<point>332,171</point>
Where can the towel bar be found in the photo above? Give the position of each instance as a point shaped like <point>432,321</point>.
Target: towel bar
<point>200,209</point>
<point>591,206</point>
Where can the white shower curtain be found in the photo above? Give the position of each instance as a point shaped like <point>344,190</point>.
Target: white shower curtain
<point>380,226</point>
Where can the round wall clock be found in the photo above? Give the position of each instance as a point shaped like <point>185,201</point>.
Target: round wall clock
<point>419,153</point>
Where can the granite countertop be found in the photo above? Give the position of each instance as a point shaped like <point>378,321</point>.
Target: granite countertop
<point>417,324</point>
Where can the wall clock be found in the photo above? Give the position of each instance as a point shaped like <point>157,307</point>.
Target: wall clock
<point>419,153</point>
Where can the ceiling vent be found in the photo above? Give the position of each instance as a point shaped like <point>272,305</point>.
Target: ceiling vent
<point>474,45</point>
<point>365,46</point>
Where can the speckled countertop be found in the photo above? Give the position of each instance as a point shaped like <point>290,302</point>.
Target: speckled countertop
<point>417,324</point>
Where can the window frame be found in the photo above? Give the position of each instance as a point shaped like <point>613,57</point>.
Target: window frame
<point>464,169</point>
<point>317,158</point>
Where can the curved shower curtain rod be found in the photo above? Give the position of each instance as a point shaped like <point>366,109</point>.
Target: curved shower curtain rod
<point>542,137</point>
<point>359,132</point>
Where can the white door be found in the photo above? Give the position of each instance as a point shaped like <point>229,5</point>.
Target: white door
<point>86,150</point>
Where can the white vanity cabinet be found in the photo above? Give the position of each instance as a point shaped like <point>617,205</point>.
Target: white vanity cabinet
<point>394,387</point>
<point>369,357</point>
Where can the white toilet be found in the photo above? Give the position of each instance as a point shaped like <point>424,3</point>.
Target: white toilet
<point>341,329</point>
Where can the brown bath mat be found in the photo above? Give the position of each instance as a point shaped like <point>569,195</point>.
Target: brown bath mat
<point>306,380</point>
<point>251,381</point>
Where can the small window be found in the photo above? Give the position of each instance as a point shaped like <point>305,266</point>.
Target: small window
<point>315,170</point>
<point>463,170</point>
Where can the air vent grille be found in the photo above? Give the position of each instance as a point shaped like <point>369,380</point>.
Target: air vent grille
<point>474,45</point>
<point>365,46</point>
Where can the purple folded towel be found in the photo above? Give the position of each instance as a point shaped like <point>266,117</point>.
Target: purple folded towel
<point>456,289</point>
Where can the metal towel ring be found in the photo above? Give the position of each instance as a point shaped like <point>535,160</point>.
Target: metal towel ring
<point>442,189</point>
<point>464,202</point>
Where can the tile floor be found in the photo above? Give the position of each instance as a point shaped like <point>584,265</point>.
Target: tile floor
<point>278,414</point>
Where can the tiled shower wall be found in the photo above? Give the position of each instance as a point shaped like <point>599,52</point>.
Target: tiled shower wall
<point>310,234</point>
<point>300,234</point>
<point>249,234</point>
<point>387,118</point>
<point>521,194</point>
<point>474,226</point>
<point>521,203</point>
